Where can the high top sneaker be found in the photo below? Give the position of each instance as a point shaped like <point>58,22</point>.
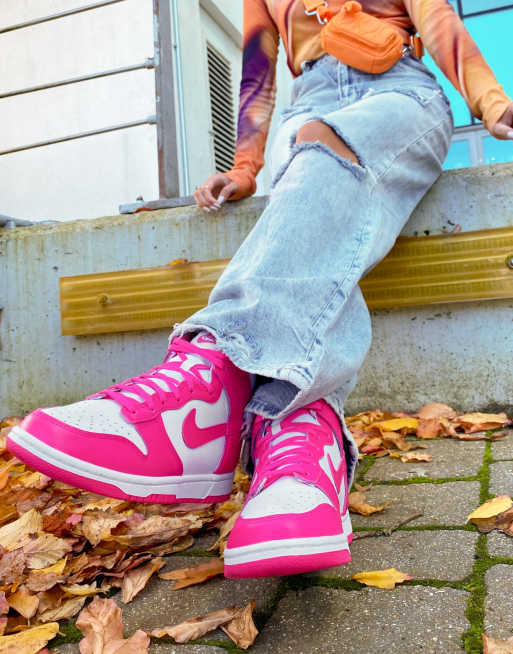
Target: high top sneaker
<point>169,435</point>
<point>295,518</point>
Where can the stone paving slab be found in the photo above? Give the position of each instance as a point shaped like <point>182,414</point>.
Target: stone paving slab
<point>159,606</point>
<point>501,478</point>
<point>450,459</point>
<point>500,545</point>
<point>155,648</point>
<point>440,504</point>
<point>406,620</point>
<point>414,552</point>
<point>498,613</point>
<point>503,448</point>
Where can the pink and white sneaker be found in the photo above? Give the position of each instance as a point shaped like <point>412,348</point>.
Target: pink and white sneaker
<point>295,518</point>
<point>169,435</point>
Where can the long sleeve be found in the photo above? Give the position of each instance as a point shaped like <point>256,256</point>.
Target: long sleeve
<point>257,95</point>
<point>459,58</point>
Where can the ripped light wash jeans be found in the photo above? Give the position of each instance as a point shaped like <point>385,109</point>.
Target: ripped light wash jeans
<point>288,305</point>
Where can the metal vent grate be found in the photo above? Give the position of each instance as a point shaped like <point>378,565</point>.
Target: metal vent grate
<point>221,103</point>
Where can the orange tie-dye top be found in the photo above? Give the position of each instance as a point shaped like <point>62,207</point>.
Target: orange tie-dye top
<point>265,21</point>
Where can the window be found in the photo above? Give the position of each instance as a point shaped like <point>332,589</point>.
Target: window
<point>490,23</point>
<point>222,109</point>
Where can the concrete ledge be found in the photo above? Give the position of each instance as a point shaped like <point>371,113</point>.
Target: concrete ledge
<point>456,353</point>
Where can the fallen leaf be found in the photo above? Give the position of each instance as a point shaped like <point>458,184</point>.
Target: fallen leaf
<point>135,580</point>
<point>67,609</point>
<point>429,428</point>
<point>4,472</point>
<point>81,590</point>
<point>4,606</point>
<point>197,627</point>
<point>492,507</point>
<point>382,578</point>
<point>224,532</point>
<point>410,457</point>
<point>393,439</point>
<point>98,525</point>
<point>197,575</point>
<point>24,603</point>
<point>29,641</point>
<point>241,628</point>
<point>12,565</point>
<point>497,646</point>
<point>396,424</point>
<point>101,624</point>
<point>45,550</point>
<point>472,422</point>
<point>16,534</point>
<point>436,410</point>
<point>357,504</point>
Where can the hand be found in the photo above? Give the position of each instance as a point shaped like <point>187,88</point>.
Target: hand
<point>503,128</point>
<point>216,190</point>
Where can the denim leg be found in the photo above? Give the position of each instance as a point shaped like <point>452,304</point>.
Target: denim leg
<point>288,306</point>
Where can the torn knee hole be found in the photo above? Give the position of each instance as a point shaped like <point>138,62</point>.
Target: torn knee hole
<point>315,130</point>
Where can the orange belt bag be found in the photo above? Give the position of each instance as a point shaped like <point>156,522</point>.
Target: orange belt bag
<point>359,39</point>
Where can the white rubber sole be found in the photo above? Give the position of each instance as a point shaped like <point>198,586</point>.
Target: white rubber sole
<point>186,486</point>
<point>289,547</point>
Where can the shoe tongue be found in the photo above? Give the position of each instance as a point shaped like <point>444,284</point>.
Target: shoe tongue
<point>205,340</point>
<point>202,340</point>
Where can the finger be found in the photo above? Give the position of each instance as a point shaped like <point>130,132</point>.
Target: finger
<point>502,131</point>
<point>227,192</point>
<point>207,194</point>
<point>200,198</point>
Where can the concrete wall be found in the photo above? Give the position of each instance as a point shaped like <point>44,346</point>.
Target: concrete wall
<point>457,353</point>
<point>92,176</point>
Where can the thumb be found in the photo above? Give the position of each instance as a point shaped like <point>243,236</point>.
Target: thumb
<point>502,131</point>
<point>227,192</point>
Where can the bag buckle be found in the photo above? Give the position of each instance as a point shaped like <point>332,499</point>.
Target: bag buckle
<point>312,8</point>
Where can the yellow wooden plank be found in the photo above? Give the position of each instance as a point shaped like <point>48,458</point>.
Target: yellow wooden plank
<point>418,271</point>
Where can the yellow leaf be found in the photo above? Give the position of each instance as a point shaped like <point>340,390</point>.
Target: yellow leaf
<point>382,578</point>
<point>16,534</point>
<point>56,568</point>
<point>29,641</point>
<point>492,507</point>
<point>396,424</point>
<point>24,603</point>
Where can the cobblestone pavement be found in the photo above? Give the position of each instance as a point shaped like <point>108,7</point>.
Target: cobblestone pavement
<point>462,580</point>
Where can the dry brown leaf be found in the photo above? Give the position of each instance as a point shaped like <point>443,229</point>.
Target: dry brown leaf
<point>176,545</point>
<point>197,627</point>
<point>429,428</point>
<point>67,609</point>
<point>361,488</point>
<point>224,532</point>
<point>497,646</point>
<point>101,624</point>
<point>29,641</point>
<point>12,565</point>
<point>98,525</point>
<point>4,472</point>
<point>393,439</point>
<point>357,504</point>
<point>386,579</point>
<point>157,529</point>
<point>45,550</point>
<point>472,422</point>
<point>4,606</point>
<point>135,580</point>
<point>241,629</point>
<point>197,575</point>
<point>24,603</point>
<point>81,590</point>
<point>16,534</point>
<point>436,410</point>
<point>415,457</point>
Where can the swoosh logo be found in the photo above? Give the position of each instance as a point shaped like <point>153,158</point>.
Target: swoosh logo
<point>194,436</point>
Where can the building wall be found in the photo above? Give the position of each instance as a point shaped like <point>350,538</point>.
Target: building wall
<point>92,176</point>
